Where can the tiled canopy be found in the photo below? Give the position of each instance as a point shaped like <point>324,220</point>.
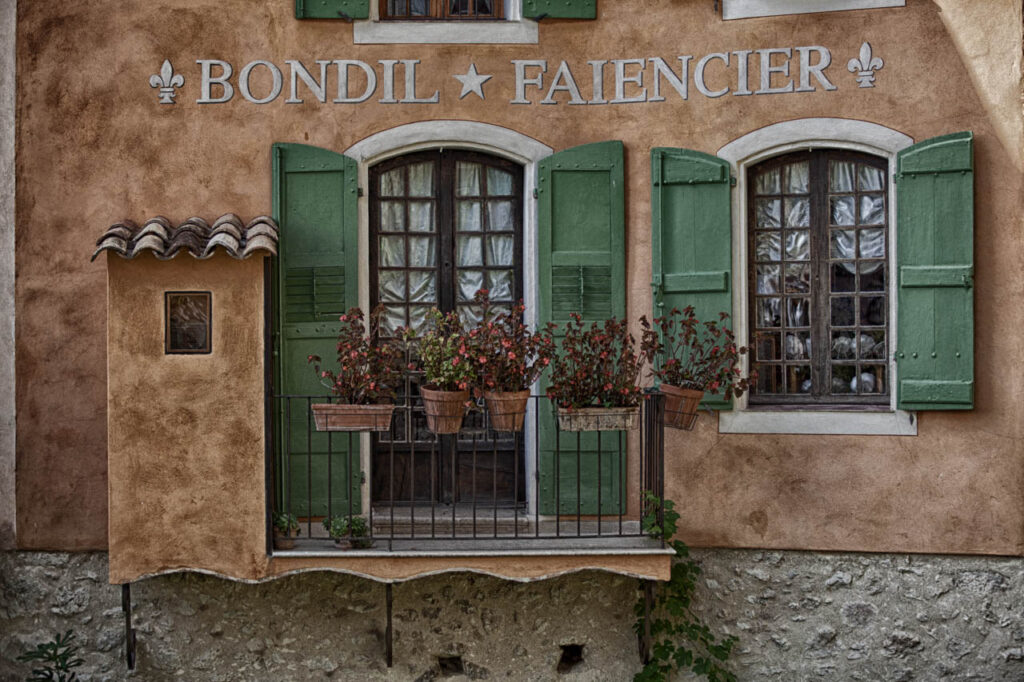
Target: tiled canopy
<point>195,235</point>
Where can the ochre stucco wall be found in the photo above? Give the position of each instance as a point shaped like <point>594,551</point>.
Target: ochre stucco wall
<point>94,147</point>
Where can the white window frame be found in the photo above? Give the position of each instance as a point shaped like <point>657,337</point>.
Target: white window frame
<point>513,29</point>
<point>749,150</point>
<point>746,9</point>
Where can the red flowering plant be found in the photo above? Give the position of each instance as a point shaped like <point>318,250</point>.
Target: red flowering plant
<point>369,370</point>
<point>444,353</point>
<point>508,355</point>
<point>688,353</point>
<point>598,366</point>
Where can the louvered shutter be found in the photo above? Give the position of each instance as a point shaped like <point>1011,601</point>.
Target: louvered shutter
<point>581,256</point>
<point>315,203</point>
<point>332,9</point>
<point>560,9</point>
<point>691,240</point>
<point>935,258</point>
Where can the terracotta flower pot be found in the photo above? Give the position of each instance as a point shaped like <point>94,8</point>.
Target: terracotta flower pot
<point>353,542</point>
<point>598,418</point>
<point>507,409</point>
<point>444,409</point>
<point>338,417</point>
<point>284,541</point>
<point>681,406</point>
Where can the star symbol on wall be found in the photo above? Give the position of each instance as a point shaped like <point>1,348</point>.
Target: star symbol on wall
<point>472,82</point>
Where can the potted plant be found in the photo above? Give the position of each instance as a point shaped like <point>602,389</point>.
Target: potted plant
<point>510,358</point>
<point>594,377</point>
<point>690,358</point>
<point>443,355</point>
<point>286,529</point>
<point>366,382</point>
<point>352,529</point>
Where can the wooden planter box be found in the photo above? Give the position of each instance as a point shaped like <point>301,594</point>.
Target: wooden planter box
<point>332,417</point>
<point>681,406</point>
<point>598,418</point>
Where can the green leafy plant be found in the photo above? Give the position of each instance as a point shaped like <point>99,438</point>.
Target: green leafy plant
<point>444,352</point>
<point>680,638</point>
<point>369,368</point>
<point>509,357</point>
<point>58,658</point>
<point>351,528</point>
<point>286,524</point>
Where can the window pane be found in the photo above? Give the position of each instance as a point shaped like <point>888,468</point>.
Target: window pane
<point>767,182</point>
<point>798,245</point>
<point>844,346</point>
<point>798,178</point>
<point>870,178</point>
<point>392,183</point>
<point>872,209</point>
<point>420,8</point>
<point>499,250</point>
<point>421,180</point>
<point>872,243</point>
<point>499,182</point>
<point>392,252</point>
<point>767,346</point>
<point>843,278</point>
<point>500,284</point>
<point>423,287</point>
<point>467,179</point>
<point>768,314</point>
<point>798,279</point>
<point>419,319</point>
<point>470,251</point>
<point>841,210</point>
<point>421,216</point>
<point>872,310</point>
<point>872,345</point>
<point>469,216</point>
<point>391,285</point>
<point>798,212</point>
<point>842,311</point>
<point>872,379</point>
<point>769,246</point>
<point>843,244</point>
<point>470,281</point>
<point>840,176</point>
<point>769,212</point>
<point>769,379</point>
<point>872,276</point>
<point>470,315</point>
<point>392,216</point>
<point>798,312</point>
<point>422,253</point>
<point>768,279</point>
<point>798,346</point>
<point>499,215</point>
<point>843,379</point>
<point>392,319</point>
<point>798,379</point>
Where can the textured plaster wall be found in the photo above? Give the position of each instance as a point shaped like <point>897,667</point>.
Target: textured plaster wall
<point>95,146</point>
<point>8,512</point>
<point>798,615</point>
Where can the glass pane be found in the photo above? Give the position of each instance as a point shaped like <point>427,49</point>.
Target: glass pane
<point>843,380</point>
<point>844,346</point>
<point>500,284</point>
<point>798,346</point>
<point>499,215</point>
<point>392,319</point>
<point>872,345</point>
<point>422,253</point>
<point>420,8</point>
<point>840,176</point>
<point>769,212</point>
<point>843,242</point>
<point>768,312</point>
<point>769,379</point>
<point>872,276</point>
<point>798,178</point>
<point>499,250</point>
<point>872,243</point>
<point>872,310</point>
<point>188,322</point>
<point>767,346</point>
<point>841,210</point>
<point>419,317</point>
<point>469,216</point>
<point>768,279</point>
<point>470,252</point>
<point>842,311</point>
<point>421,180</point>
<point>470,281</point>
<point>843,278</point>
<point>392,183</point>
<point>798,279</point>
<point>392,216</point>
<point>392,252</point>
<point>798,245</point>
<point>767,182</point>
<point>799,378</point>
<point>872,209</point>
<point>769,246</point>
<point>421,216</point>
<point>499,183</point>
<point>798,212</point>
<point>422,287</point>
<point>391,285</point>
<point>471,315</point>
<point>467,179</point>
<point>870,179</point>
<point>798,312</point>
<point>872,379</point>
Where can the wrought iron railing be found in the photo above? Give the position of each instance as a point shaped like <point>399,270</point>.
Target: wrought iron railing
<point>413,487</point>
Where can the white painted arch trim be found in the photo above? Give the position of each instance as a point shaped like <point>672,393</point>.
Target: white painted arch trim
<point>764,143</point>
<point>514,29</point>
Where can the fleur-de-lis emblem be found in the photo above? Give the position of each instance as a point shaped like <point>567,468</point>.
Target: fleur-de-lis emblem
<point>167,81</point>
<point>865,66</point>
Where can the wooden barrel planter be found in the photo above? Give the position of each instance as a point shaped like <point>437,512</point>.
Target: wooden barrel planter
<point>598,418</point>
<point>342,417</point>
<point>507,409</point>
<point>444,409</point>
<point>681,406</point>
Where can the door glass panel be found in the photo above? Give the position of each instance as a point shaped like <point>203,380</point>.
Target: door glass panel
<point>392,252</point>
<point>798,245</point>
<point>500,284</point>
<point>500,216</point>
<point>840,174</point>
<point>467,179</point>
<point>769,212</point>
<point>469,216</point>
<point>499,249</point>
<point>470,281</point>
<point>470,252</point>
<point>392,183</point>
<point>391,285</point>
<point>499,182</point>
<point>841,210</point>
<point>423,287</point>
<point>798,178</point>
<point>421,180</point>
<point>870,179</point>
<point>767,279</point>
<point>767,182</point>
<point>422,253</point>
<point>769,246</point>
<point>421,216</point>
<point>798,212</point>
<point>872,243</point>
<point>392,216</point>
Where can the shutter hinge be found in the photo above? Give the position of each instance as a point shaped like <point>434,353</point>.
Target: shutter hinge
<point>344,16</point>
<point>359,191</point>
<point>535,194</point>
<point>732,180</point>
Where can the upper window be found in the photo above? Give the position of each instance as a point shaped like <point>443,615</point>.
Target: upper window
<point>819,295</point>
<point>441,9</point>
<point>743,9</point>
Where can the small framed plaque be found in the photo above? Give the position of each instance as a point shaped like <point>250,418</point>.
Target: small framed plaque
<point>187,322</point>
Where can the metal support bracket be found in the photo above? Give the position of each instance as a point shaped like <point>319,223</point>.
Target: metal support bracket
<point>129,631</point>
<point>389,630</point>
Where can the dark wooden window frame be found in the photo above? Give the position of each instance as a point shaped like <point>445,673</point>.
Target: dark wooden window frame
<point>820,290</point>
<point>208,344</point>
<point>440,11</point>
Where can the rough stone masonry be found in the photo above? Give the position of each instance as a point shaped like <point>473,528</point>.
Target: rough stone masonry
<point>799,616</point>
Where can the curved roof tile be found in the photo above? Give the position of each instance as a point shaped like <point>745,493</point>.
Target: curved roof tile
<point>194,235</point>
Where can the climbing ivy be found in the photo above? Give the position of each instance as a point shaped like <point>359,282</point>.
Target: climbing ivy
<point>680,639</point>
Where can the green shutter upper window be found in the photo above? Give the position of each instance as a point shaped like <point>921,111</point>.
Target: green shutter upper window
<point>560,9</point>
<point>935,258</point>
<point>332,9</point>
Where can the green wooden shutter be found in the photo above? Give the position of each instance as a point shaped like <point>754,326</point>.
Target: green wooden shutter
<point>935,276</point>
<point>560,9</point>
<point>582,268</point>
<point>332,9</point>
<point>315,204</point>
<point>691,236</point>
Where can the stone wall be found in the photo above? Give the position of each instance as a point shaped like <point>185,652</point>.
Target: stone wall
<point>799,616</point>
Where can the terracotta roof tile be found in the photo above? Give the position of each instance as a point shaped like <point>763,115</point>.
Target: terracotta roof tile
<point>195,236</point>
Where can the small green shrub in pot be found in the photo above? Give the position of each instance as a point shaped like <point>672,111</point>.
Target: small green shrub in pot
<point>286,528</point>
<point>354,529</point>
